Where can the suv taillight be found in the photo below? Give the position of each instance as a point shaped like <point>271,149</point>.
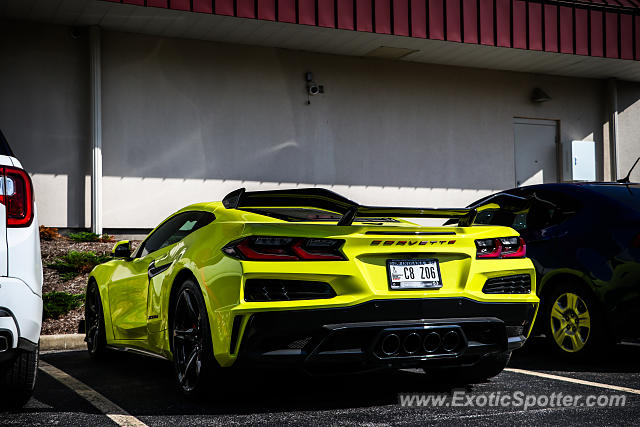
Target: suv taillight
<point>16,194</point>
<point>503,247</point>
<point>267,248</point>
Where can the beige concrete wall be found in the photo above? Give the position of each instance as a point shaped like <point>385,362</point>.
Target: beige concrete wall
<point>187,121</point>
<point>628,129</point>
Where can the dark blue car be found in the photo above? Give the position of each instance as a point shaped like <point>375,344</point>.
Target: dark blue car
<point>584,240</point>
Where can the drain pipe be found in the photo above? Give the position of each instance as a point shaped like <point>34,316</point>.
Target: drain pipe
<point>613,127</point>
<point>96,128</point>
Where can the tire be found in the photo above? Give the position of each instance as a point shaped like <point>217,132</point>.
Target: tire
<point>18,379</point>
<point>573,323</point>
<point>191,345</point>
<point>95,332</point>
<point>486,368</point>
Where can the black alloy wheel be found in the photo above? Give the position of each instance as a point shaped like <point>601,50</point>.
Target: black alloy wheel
<point>191,340</point>
<point>94,322</point>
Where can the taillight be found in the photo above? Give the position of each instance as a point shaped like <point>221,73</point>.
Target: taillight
<point>513,247</point>
<point>503,247</point>
<point>16,193</point>
<point>267,248</point>
<point>488,248</point>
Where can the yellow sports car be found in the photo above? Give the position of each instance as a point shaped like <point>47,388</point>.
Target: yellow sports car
<point>306,277</point>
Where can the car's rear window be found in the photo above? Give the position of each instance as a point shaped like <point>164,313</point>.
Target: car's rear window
<point>5,150</point>
<point>309,215</point>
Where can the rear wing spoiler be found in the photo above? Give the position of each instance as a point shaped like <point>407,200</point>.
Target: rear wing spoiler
<point>321,198</point>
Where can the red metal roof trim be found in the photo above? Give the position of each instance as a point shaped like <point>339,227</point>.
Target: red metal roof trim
<point>606,28</point>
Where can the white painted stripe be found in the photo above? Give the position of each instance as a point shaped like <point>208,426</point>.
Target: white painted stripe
<point>104,405</point>
<point>574,380</point>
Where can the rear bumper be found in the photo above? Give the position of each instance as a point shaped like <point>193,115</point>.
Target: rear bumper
<point>357,338</point>
<point>20,313</point>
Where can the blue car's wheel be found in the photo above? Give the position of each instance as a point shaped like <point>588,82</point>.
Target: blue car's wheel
<point>574,323</point>
<point>191,340</point>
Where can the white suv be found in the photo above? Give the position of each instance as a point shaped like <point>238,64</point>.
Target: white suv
<point>20,282</point>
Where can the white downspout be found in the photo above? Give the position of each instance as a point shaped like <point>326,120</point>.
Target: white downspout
<point>613,131</point>
<point>96,129</point>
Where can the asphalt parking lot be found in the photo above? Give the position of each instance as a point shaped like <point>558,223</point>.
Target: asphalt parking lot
<point>141,389</point>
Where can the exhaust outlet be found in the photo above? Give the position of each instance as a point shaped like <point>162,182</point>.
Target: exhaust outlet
<point>390,345</point>
<point>431,342</point>
<point>450,341</point>
<point>411,343</point>
<point>4,344</point>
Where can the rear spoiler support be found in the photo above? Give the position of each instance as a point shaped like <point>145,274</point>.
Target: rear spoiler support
<point>321,198</point>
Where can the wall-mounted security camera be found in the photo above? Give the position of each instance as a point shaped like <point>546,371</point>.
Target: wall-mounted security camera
<point>313,88</point>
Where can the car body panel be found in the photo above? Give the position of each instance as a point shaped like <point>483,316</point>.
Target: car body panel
<point>130,299</point>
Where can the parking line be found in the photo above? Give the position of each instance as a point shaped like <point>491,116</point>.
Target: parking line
<point>574,380</point>
<point>107,407</point>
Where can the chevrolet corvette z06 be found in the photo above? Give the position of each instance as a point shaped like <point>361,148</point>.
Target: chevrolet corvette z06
<point>306,277</point>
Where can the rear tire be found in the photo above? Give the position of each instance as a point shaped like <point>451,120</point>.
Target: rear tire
<point>95,335</point>
<point>191,345</point>
<point>486,368</point>
<point>18,379</point>
<point>573,322</point>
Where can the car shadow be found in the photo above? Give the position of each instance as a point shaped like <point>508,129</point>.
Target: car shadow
<point>536,355</point>
<point>144,386</point>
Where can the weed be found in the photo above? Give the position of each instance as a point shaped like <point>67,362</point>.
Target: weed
<point>75,263</point>
<point>56,304</point>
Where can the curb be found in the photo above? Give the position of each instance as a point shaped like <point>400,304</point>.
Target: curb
<point>62,342</point>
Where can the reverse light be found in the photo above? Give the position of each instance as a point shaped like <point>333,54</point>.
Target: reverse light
<point>503,247</point>
<point>266,248</point>
<point>16,194</point>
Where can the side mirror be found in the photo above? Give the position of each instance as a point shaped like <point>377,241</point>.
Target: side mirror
<point>122,249</point>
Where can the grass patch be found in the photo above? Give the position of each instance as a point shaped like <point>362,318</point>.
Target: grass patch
<point>86,236</point>
<point>75,263</point>
<point>56,304</point>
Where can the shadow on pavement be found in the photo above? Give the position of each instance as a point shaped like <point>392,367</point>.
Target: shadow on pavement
<point>537,356</point>
<point>144,386</point>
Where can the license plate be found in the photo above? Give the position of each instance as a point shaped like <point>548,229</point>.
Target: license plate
<point>414,274</point>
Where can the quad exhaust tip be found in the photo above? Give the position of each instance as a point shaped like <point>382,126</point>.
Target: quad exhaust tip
<point>413,343</point>
<point>390,345</point>
<point>450,341</point>
<point>431,342</point>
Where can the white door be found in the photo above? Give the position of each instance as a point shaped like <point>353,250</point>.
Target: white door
<point>535,151</point>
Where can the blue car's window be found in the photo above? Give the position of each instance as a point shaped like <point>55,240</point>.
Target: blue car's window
<point>173,230</point>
